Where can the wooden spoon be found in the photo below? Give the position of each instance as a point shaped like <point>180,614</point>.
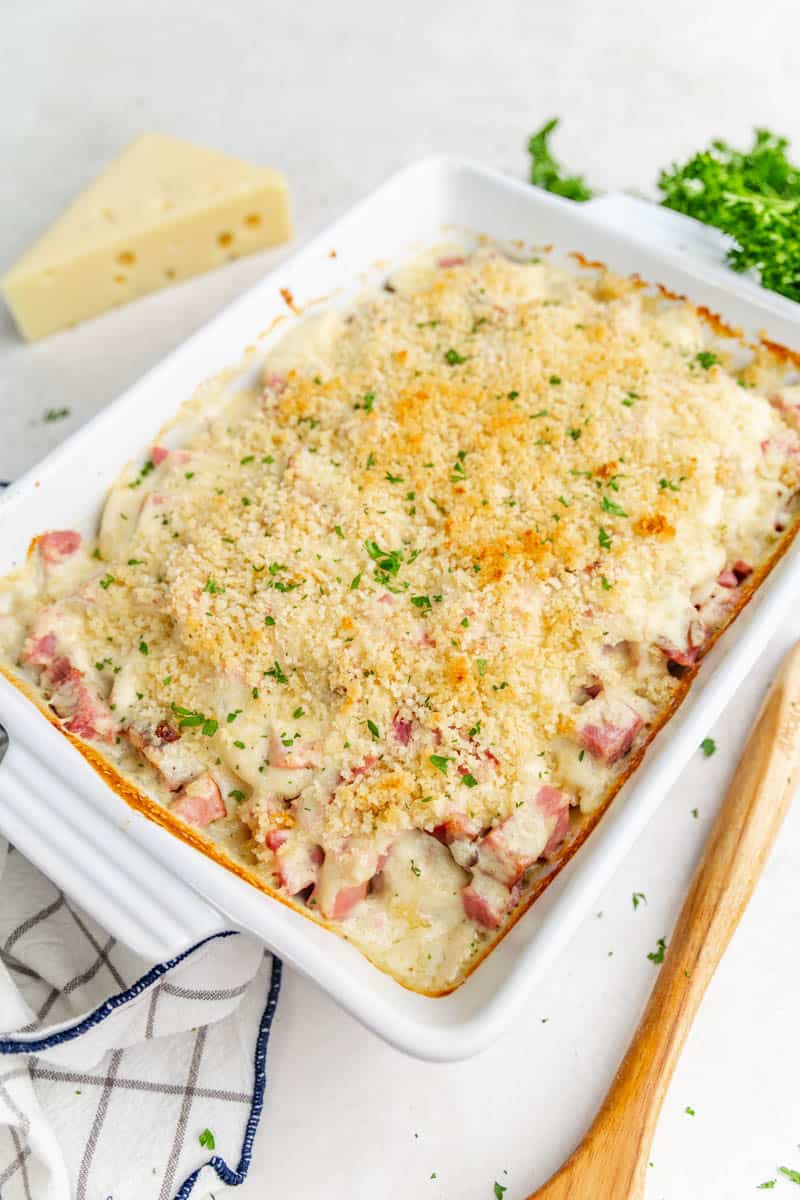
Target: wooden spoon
<point>611,1161</point>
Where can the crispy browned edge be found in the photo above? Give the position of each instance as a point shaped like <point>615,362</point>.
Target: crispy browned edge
<point>582,826</point>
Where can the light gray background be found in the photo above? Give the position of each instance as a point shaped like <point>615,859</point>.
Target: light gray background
<point>339,95</point>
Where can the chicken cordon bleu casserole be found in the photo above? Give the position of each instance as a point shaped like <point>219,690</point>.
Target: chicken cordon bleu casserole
<point>387,630</point>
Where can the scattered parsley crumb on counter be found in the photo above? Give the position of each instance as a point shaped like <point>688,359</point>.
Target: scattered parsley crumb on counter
<point>690,1111</point>
<point>638,898</point>
<point>56,414</point>
<point>499,1190</point>
<point>790,1174</point>
<point>708,746</point>
<point>657,955</point>
<point>207,1139</point>
<point>768,1183</point>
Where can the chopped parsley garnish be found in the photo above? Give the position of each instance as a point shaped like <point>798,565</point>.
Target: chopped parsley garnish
<point>611,506</point>
<point>246,501</point>
<point>657,955</point>
<point>629,398</point>
<point>554,380</point>
<point>276,673</point>
<point>423,603</point>
<point>207,1139</point>
<point>373,728</point>
<point>239,745</point>
<point>453,358</point>
<point>439,761</point>
<point>231,717</point>
<point>604,538</point>
<point>706,359</point>
<point>606,586</point>
<point>574,434</point>
<point>355,581</point>
<point>465,622</point>
<point>415,869</point>
<point>469,780</point>
<point>56,414</point>
<point>212,587</point>
<point>236,794</point>
<point>107,581</point>
<point>476,728</point>
<point>480,663</point>
<point>665,484</point>
<point>390,478</point>
<point>298,713</point>
<point>248,458</point>
<point>190,719</point>
<point>337,529</point>
<point>135,562</point>
<point>269,620</point>
<point>638,898</point>
<point>143,648</point>
<point>708,746</point>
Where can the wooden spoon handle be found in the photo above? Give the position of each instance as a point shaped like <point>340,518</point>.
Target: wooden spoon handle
<point>612,1158</point>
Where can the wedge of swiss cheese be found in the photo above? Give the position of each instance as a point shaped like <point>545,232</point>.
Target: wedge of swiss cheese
<point>163,211</point>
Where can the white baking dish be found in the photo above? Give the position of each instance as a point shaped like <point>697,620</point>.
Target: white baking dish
<point>157,893</point>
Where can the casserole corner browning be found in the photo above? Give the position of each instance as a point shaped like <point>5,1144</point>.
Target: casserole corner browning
<point>389,631</point>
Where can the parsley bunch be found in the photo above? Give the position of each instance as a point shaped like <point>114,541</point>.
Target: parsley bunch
<point>751,195</point>
<point>754,197</point>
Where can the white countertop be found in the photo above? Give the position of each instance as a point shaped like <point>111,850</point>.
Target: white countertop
<point>339,96</point>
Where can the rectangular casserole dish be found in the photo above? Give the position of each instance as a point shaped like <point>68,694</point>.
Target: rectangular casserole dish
<point>154,891</point>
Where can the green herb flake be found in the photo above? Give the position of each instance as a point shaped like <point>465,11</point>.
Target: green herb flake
<point>56,414</point>
<point>107,581</point>
<point>276,673</point>
<point>453,358</point>
<point>469,780</point>
<point>690,1111</point>
<point>213,588</point>
<point>611,506</point>
<point>708,746</point>
<point>415,869</point>
<point>269,620</point>
<point>606,586</point>
<point>439,761</point>
<point>657,955</point>
<point>236,794</point>
<point>207,1139</point>
<point>706,359</point>
<point>143,648</point>
<point>604,538</point>
<point>298,713</point>
<point>423,603</point>
<point>638,898</point>
<point>373,728</point>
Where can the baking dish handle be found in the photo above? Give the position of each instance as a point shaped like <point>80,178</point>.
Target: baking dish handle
<point>702,249</point>
<point>90,856</point>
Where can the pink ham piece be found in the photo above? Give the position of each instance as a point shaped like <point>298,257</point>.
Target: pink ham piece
<point>200,802</point>
<point>696,638</point>
<point>297,859</point>
<point>457,826</point>
<point>82,710</point>
<point>173,458</point>
<point>451,260</point>
<point>401,729</point>
<point>344,877</point>
<point>611,735</point>
<point>486,901</point>
<point>507,851</point>
<point>57,546</point>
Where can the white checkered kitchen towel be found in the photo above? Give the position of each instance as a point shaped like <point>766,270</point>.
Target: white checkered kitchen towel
<point>122,1079</point>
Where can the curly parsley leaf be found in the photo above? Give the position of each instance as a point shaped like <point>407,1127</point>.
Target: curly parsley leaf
<point>546,171</point>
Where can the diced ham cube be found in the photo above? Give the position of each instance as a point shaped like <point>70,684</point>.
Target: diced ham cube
<point>611,731</point>
<point>200,802</point>
<point>57,546</point>
<point>696,638</point>
<point>173,458</point>
<point>742,569</point>
<point>486,901</point>
<point>401,729</point>
<point>344,876</point>
<point>727,578</point>
<point>297,860</point>
<point>83,711</point>
<point>451,260</point>
<point>515,844</point>
<point>346,900</point>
